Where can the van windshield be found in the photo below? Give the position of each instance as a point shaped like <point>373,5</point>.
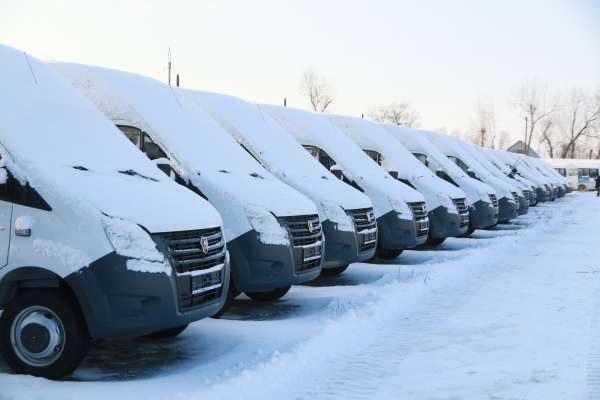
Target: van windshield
<point>151,149</point>
<point>374,155</point>
<point>321,156</point>
<point>458,162</point>
<point>133,134</point>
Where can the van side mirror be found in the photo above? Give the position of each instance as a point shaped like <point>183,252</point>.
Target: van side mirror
<point>336,170</point>
<point>393,173</point>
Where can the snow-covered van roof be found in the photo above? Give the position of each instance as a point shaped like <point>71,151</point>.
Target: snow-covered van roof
<point>449,146</point>
<point>310,129</point>
<point>199,149</point>
<point>55,139</point>
<point>280,152</point>
<point>416,143</point>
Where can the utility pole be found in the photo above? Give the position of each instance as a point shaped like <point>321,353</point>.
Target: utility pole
<point>169,68</point>
<point>285,102</point>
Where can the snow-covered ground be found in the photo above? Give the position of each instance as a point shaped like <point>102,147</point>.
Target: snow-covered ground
<point>512,313</point>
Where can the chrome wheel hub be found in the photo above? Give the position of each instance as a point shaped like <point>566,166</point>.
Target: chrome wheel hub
<point>37,336</point>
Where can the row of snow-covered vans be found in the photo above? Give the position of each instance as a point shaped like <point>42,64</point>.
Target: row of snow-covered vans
<point>130,207</point>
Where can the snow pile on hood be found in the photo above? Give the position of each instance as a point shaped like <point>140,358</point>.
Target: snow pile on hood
<point>54,138</point>
<point>277,150</point>
<point>311,129</point>
<point>200,150</point>
<point>269,230</point>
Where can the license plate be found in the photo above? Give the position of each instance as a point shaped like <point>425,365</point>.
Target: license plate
<point>465,218</point>
<point>311,253</point>
<point>206,282</point>
<point>424,225</point>
<point>369,237</point>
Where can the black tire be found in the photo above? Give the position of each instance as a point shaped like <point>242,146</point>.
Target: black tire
<point>231,294</point>
<point>269,295</point>
<point>334,271</point>
<point>389,254</point>
<point>62,314</point>
<point>167,333</point>
<point>436,242</point>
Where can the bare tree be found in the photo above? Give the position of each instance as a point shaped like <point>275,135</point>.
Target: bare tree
<point>483,126</point>
<point>501,141</point>
<point>395,113</point>
<point>532,99</point>
<point>319,92</point>
<point>579,118</point>
<point>547,136</point>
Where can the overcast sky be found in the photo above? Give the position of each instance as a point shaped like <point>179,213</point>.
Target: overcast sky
<point>439,55</point>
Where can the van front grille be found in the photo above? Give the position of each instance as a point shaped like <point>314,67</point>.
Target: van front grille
<point>364,219</point>
<point>463,211</point>
<point>306,231</point>
<point>419,210</point>
<point>187,254</point>
<point>515,196</point>
<point>494,200</point>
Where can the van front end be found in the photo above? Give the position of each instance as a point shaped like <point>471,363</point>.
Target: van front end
<point>449,221</point>
<point>483,214</point>
<point>118,300</point>
<point>523,196</point>
<point>258,266</point>
<point>396,231</point>
<point>508,208</point>
<point>343,247</point>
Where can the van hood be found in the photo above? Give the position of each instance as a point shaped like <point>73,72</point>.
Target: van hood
<point>329,190</point>
<point>241,189</point>
<point>435,184</point>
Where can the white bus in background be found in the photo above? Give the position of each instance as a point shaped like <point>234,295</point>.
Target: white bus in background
<point>581,172</point>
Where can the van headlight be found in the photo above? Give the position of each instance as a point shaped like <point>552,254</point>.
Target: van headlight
<point>447,202</point>
<point>401,208</point>
<point>336,214</point>
<point>508,194</point>
<point>484,196</point>
<point>267,226</point>
<point>130,240</point>
<point>520,193</point>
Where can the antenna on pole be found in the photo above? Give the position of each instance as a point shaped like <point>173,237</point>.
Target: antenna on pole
<point>169,67</point>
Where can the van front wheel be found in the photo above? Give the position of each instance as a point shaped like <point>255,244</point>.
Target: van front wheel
<point>269,295</point>
<point>43,334</point>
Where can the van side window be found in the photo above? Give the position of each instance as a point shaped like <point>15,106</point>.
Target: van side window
<point>321,156</point>
<point>459,162</point>
<point>151,149</point>
<point>133,134</point>
<point>27,196</point>
<point>593,173</point>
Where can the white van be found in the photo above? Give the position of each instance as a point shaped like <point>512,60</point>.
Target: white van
<point>581,174</point>
<point>512,161</point>
<point>521,190</point>
<point>446,204</point>
<point>508,200</point>
<point>395,205</point>
<point>90,229</point>
<point>503,168</point>
<point>341,208</point>
<point>273,232</point>
<point>481,198</point>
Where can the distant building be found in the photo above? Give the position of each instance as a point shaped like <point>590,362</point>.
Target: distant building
<point>519,148</point>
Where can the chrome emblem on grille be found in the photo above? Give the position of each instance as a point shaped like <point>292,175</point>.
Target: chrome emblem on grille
<point>423,208</point>
<point>204,244</point>
<point>310,226</point>
<point>369,217</point>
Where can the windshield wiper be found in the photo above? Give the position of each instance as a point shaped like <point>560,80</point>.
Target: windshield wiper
<point>254,174</point>
<point>131,172</point>
<point>79,167</point>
